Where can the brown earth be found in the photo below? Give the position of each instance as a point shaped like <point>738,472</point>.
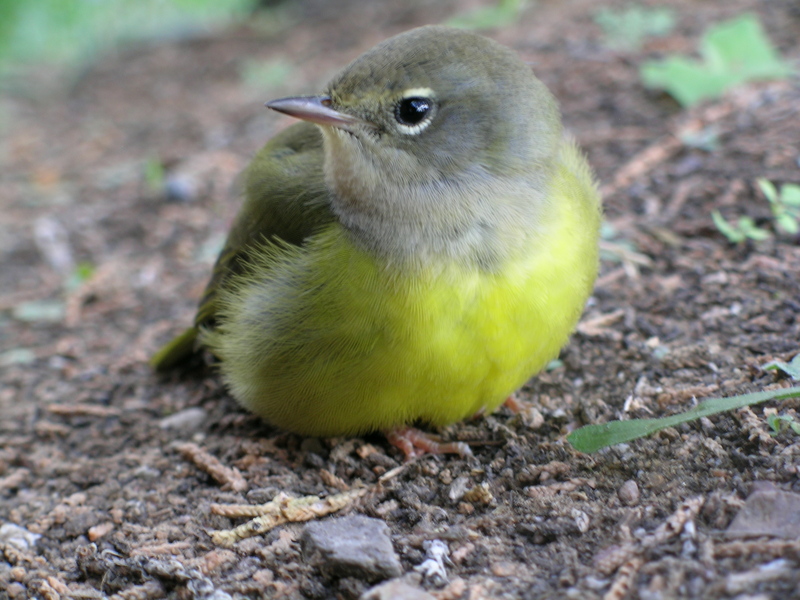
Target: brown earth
<point>123,505</point>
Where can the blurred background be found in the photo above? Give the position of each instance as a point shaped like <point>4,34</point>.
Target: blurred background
<point>123,127</point>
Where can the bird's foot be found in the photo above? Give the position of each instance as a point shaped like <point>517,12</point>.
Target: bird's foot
<point>514,405</point>
<point>414,443</point>
<point>530,414</point>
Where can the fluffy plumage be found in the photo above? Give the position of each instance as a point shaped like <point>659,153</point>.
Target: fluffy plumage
<point>416,255</point>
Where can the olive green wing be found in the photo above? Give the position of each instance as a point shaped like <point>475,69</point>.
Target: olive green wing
<point>284,198</point>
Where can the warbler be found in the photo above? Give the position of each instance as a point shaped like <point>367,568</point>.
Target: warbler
<point>413,251</point>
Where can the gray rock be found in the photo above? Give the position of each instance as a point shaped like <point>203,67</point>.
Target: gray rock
<point>354,546</point>
<point>768,511</point>
<point>396,589</point>
<point>189,419</point>
<point>17,536</point>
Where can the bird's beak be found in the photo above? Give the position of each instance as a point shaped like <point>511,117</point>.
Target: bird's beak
<point>315,109</point>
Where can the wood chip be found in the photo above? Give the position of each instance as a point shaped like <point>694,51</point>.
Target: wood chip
<point>610,558</point>
<point>82,410</point>
<point>624,580</point>
<point>741,549</point>
<point>169,549</point>
<point>599,326</point>
<point>230,478</point>
<point>282,509</point>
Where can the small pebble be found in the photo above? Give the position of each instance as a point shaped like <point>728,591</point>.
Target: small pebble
<point>180,188</point>
<point>458,488</point>
<point>433,567</point>
<point>628,493</point>
<point>503,569</point>
<point>17,536</point>
<point>100,530</point>
<point>396,589</point>
<point>185,420</point>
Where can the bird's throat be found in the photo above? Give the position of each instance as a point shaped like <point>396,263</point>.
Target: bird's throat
<point>406,213</point>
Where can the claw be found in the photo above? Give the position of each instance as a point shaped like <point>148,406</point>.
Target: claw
<point>414,443</point>
<point>514,405</point>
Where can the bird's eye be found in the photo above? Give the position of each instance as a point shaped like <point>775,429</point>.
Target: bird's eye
<point>412,111</point>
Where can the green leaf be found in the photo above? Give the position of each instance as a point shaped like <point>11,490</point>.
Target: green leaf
<point>774,422</point>
<point>594,437</point>
<point>729,231</point>
<point>790,194</point>
<point>782,423</point>
<point>748,227</point>
<point>681,77</point>
<point>625,29</point>
<point>792,369</point>
<point>733,52</point>
<point>768,189</point>
<point>68,31</point>
<point>504,13</point>
<point>785,206</point>
<point>80,273</point>
<point>788,223</point>
<point>154,174</point>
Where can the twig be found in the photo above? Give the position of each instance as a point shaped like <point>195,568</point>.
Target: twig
<point>230,478</point>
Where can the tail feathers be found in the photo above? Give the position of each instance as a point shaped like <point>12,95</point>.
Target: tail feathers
<point>176,351</point>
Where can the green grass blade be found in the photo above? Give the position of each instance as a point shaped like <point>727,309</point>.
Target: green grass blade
<point>792,368</point>
<point>594,437</point>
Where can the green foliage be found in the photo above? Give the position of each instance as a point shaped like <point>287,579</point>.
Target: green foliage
<point>733,52</point>
<point>779,424</point>
<point>154,174</point>
<point>785,205</point>
<point>68,31</point>
<point>505,12</point>
<point>594,437</point>
<point>625,29</point>
<point>792,369</point>
<point>83,271</point>
<point>744,229</point>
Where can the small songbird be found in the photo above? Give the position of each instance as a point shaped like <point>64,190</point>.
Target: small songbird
<point>413,251</point>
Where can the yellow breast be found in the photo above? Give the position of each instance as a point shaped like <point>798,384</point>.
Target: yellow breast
<point>331,342</point>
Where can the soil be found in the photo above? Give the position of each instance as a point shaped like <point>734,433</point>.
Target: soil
<point>114,467</point>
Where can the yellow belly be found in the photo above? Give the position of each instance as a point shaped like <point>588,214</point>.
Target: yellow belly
<point>330,342</point>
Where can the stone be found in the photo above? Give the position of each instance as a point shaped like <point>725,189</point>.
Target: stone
<point>353,546</point>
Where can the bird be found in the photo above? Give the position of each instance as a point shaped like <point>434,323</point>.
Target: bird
<point>410,253</point>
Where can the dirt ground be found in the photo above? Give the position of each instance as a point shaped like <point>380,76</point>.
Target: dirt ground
<point>113,468</point>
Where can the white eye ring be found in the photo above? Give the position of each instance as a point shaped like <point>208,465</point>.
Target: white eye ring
<point>414,110</point>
